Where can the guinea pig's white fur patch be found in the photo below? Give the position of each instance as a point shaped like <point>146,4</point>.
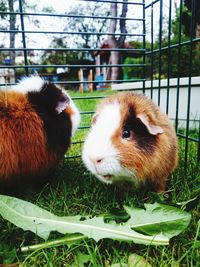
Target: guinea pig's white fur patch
<point>99,154</point>
<point>29,84</point>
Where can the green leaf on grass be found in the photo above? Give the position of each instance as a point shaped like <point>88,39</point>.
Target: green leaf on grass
<point>158,218</point>
<point>41,222</point>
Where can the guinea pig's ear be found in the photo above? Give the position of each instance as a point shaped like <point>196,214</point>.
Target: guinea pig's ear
<point>152,129</point>
<point>62,102</point>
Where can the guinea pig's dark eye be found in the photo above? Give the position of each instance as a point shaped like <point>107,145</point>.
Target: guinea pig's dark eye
<point>126,134</point>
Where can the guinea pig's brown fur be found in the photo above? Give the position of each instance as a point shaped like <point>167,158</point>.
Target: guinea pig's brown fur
<point>155,156</point>
<point>32,140</point>
<point>152,157</point>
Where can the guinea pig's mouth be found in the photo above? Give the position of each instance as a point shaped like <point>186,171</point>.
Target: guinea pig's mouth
<point>107,177</point>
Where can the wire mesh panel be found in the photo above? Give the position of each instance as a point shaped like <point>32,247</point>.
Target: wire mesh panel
<point>90,46</point>
<point>173,53</point>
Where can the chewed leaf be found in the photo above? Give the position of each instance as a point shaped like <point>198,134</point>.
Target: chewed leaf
<point>41,222</point>
<point>158,218</point>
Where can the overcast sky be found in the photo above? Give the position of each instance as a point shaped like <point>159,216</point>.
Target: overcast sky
<point>58,5</point>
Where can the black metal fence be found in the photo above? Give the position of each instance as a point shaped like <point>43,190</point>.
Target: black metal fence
<point>157,44</point>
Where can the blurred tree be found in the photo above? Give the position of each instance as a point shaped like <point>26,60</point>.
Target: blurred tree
<point>9,21</point>
<point>137,72</point>
<point>8,6</point>
<point>95,23</point>
<point>114,42</point>
<point>98,25</point>
<point>175,56</point>
<point>187,16</point>
<point>12,23</point>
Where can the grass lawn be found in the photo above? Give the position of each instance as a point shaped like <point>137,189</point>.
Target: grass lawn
<point>74,191</point>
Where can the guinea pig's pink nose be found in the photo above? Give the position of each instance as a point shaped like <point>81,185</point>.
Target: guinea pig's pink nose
<point>96,160</point>
<point>99,160</point>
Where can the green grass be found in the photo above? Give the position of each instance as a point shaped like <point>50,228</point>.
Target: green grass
<point>73,190</point>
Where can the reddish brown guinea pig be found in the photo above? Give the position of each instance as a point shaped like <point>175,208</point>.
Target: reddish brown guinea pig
<point>131,139</point>
<point>37,120</point>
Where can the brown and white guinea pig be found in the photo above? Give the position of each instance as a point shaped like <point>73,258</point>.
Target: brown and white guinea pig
<point>37,120</point>
<point>131,139</point>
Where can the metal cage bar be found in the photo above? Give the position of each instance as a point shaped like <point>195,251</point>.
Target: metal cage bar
<point>189,86</point>
<point>178,65</point>
<point>169,54</point>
